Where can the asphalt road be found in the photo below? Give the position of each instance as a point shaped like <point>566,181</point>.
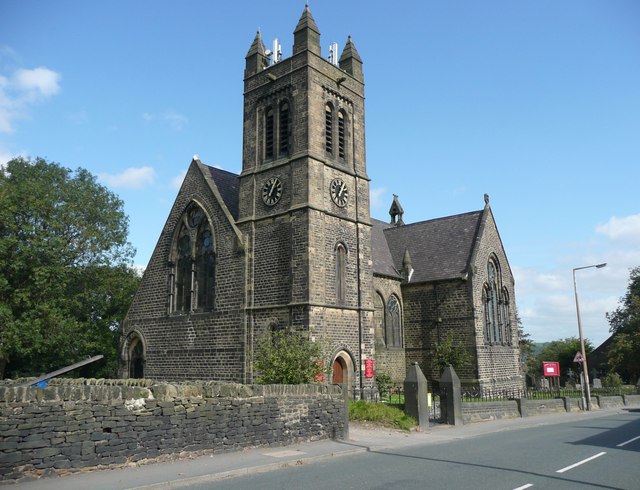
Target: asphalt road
<point>593,453</point>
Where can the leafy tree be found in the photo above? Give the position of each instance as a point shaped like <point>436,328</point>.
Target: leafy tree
<point>623,355</point>
<point>562,351</point>
<point>527,356</point>
<point>450,351</point>
<point>65,275</point>
<point>287,357</point>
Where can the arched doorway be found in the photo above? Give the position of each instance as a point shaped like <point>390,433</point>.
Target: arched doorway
<point>136,358</point>
<point>339,368</point>
<point>342,370</point>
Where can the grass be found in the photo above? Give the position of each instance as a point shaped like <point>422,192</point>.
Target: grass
<point>380,413</point>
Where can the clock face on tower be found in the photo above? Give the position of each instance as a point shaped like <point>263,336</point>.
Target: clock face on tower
<point>339,192</point>
<point>272,191</point>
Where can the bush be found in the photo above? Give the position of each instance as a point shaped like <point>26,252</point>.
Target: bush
<point>383,382</point>
<point>380,413</point>
<point>287,357</point>
<point>612,380</point>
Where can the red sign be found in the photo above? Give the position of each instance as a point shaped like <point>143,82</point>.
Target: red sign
<point>368,368</point>
<point>550,368</point>
<point>578,357</point>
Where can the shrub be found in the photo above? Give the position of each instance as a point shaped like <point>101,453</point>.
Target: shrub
<point>287,357</point>
<point>383,382</point>
<point>612,380</point>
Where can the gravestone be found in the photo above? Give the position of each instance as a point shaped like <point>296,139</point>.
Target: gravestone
<point>415,396</point>
<point>597,383</point>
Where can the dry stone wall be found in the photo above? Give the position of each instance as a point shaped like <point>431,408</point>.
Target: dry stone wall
<point>75,424</point>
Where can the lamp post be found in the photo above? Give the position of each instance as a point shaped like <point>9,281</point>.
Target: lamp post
<point>585,372</point>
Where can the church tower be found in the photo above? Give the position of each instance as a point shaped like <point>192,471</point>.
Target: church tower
<point>304,200</point>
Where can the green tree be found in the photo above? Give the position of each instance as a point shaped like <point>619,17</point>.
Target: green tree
<point>562,351</point>
<point>450,351</point>
<point>65,269</point>
<point>526,345</point>
<point>287,357</point>
<point>623,355</point>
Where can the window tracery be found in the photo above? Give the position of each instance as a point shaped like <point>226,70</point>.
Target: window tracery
<point>192,280</point>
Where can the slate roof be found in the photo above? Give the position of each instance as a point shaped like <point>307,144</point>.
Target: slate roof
<point>439,248</point>
<point>381,255</point>
<point>228,184</point>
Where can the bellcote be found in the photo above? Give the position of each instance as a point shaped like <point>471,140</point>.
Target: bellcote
<point>396,212</point>
<point>306,36</point>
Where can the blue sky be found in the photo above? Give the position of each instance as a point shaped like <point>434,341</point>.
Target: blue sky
<point>536,103</point>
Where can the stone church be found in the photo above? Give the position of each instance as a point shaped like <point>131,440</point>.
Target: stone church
<point>289,242</point>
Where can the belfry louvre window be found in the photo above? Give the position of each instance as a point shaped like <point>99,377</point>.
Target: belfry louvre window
<point>341,133</point>
<point>192,278</point>
<point>328,129</point>
<point>284,128</point>
<point>269,136</point>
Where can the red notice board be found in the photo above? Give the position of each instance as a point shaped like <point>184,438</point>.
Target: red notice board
<point>368,368</point>
<point>550,368</point>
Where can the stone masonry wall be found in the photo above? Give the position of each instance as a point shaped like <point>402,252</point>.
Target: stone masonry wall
<point>202,344</point>
<point>74,424</point>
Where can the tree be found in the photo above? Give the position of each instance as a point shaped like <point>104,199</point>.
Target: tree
<point>450,351</point>
<point>287,356</point>
<point>65,268</point>
<point>562,351</point>
<point>623,355</point>
<point>526,345</point>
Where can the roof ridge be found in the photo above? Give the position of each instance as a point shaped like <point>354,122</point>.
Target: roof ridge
<point>217,169</point>
<point>442,218</point>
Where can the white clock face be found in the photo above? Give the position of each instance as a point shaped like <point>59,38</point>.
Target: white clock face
<point>272,191</point>
<point>339,192</point>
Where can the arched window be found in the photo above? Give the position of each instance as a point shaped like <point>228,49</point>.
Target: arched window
<point>269,136</point>
<point>506,315</point>
<point>328,128</point>
<point>341,134</point>
<point>378,318</point>
<point>205,268</point>
<point>283,133</point>
<point>496,316</point>
<point>193,279</point>
<point>486,326</point>
<point>393,323</point>
<point>341,272</point>
<point>183,271</point>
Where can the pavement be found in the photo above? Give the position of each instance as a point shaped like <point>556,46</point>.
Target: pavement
<point>179,473</point>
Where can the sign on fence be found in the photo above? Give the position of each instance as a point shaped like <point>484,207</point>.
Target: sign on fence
<point>550,368</point>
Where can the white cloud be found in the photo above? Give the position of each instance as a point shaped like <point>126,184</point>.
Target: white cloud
<point>176,182</point>
<point>21,90</point>
<point>38,82</point>
<point>626,228</point>
<point>130,178</point>
<point>175,120</point>
<point>376,197</point>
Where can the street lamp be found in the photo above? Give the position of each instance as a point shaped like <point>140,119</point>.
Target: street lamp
<point>585,372</point>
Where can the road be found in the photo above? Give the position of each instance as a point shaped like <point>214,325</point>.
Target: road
<point>593,453</point>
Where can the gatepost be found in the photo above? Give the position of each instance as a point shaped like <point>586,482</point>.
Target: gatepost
<point>415,396</point>
<point>451,402</point>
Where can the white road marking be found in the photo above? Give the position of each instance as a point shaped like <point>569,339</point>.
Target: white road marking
<point>581,462</point>
<point>627,442</point>
<point>528,485</point>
